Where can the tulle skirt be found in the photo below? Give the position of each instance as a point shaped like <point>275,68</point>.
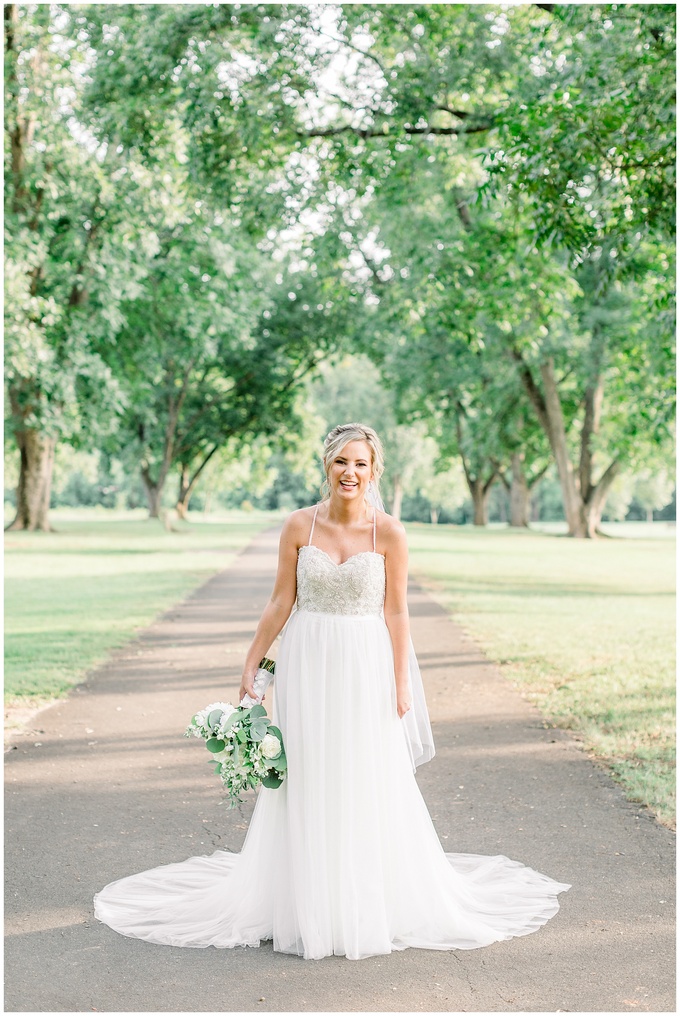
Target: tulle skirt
<point>343,858</point>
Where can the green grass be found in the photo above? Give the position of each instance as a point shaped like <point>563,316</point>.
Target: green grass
<point>584,628</point>
<point>73,595</point>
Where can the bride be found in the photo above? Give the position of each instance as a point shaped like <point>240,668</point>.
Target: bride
<point>343,858</point>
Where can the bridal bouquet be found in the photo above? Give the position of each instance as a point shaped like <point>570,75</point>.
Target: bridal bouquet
<point>246,748</point>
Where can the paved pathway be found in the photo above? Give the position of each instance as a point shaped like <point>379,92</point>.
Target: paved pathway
<point>106,786</point>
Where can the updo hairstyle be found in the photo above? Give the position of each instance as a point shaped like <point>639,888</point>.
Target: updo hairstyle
<point>341,436</point>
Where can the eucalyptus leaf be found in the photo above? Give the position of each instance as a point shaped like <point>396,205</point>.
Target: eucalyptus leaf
<point>214,744</point>
<point>229,722</point>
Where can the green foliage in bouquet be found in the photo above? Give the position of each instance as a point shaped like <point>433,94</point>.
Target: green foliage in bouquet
<point>246,747</point>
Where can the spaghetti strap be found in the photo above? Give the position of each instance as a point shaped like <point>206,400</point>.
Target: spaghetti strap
<point>375,517</point>
<point>311,531</point>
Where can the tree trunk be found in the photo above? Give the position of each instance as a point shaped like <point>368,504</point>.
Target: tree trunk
<point>154,493</point>
<point>397,497</point>
<point>650,514</point>
<point>434,516</point>
<point>35,480</point>
<point>519,493</point>
<point>479,492</point>
<point>591,513</point>
<point>187,482</point>
<point>186,489</point>
<point>557,435</point>
<point>478,487</point>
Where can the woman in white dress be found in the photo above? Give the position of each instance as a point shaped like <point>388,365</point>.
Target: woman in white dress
<point>343,858</point>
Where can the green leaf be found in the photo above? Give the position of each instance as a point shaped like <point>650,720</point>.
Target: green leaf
<point>275,730</point>
<point>258,730</point>
<point>214,744</point>
<point>228,723</point>
<point>272,781</point>
<point>214,717</point>
<point>257,711</point>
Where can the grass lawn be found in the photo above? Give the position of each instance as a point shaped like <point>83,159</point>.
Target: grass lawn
<point>584,628</point>
<point>73,595</point>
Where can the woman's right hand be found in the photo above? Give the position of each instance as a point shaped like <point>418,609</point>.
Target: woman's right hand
<point>247,684</point>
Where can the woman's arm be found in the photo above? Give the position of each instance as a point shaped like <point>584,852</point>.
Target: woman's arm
<point>396,609</point>
<point>280,604</point>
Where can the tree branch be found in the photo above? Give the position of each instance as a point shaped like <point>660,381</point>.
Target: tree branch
<point>606,480</point>
<point>202,466</point>
<point>462,114</point>
<point>533,391</point>
<point>463,210</point>
<point>386,130</point>
<point>459,436</point>
<point>539,475</point>
<point>490,481</point>
<point>362,52</point>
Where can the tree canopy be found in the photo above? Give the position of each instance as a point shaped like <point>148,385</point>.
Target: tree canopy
<point>204,202</point>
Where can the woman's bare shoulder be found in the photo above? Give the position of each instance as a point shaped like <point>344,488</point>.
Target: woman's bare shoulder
<point>298,524</point>
<point>391,531</point>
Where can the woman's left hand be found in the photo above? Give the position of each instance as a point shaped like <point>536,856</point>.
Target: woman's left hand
<point>403,701</point>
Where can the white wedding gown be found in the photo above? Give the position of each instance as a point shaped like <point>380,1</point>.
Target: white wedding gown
<point>343,858</point>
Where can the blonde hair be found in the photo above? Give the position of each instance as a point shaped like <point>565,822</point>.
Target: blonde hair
<point>340,436</point>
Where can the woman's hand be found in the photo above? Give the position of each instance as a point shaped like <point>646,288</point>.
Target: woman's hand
<point>403,701</point>
<point>247,682</point>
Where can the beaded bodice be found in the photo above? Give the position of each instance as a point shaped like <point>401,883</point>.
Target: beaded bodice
<point>357,586</point>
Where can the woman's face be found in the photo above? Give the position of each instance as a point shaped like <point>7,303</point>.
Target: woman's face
<point>351,471</point>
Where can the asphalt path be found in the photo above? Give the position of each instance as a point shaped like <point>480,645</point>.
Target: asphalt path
<point>104,785</point>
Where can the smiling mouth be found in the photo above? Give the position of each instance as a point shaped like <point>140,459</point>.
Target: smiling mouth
<point>348,484</point>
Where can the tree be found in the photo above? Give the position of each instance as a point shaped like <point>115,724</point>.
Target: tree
<point>181,348</point>
<point>436,273</point>
<point>304,319</point>
<point>445,489</point>
<point>608,199</point>
<point>71,241</point>
<point>653,490</point>
<point>351,390</point>
<point>598,212</point>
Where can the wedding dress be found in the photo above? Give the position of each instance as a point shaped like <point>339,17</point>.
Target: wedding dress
<point>343,857</point>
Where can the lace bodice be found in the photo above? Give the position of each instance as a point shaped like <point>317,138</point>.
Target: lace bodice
<point>357,586</point>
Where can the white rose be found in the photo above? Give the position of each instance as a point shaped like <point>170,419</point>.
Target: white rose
<point>271,746</point>
<point>225,707</point>
<point>225,724</point>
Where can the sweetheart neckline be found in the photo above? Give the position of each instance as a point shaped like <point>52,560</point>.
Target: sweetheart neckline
<point>325,553</point>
